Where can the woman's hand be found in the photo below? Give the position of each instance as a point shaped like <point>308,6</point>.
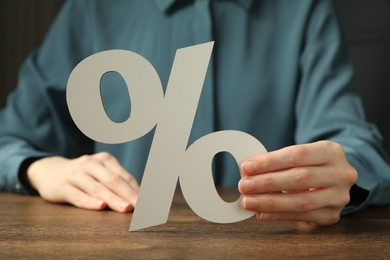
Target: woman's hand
<point>89,182</point>
<point>308,183</point>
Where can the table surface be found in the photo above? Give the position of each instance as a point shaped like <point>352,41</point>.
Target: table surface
<point>32,228</point>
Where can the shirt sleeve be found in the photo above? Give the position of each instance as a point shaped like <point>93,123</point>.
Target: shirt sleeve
<point>328,107</point>
<point>36,121</point>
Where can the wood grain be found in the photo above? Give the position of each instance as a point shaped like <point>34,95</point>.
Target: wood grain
<point>32,228</point>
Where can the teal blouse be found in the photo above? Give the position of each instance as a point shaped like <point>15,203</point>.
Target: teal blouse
<point>279,71</point>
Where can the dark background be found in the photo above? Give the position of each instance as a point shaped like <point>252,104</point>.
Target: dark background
<point>366,24</point>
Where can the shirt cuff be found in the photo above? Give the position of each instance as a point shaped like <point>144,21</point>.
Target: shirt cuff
<point>363,189</point>
<point>14,182</point>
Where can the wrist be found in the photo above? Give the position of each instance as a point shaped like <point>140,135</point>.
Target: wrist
<point>23,176</point>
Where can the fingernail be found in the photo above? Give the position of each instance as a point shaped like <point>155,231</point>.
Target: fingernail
<point>125,206</point>
<point>248,167</point>
<point>246,185</point>
<point>100,204</point>
<point>249,203</point>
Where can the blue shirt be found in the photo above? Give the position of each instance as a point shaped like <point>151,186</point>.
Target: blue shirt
<point>279,71</point>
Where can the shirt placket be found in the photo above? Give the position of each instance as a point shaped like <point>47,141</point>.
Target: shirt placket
<point>203,32</point>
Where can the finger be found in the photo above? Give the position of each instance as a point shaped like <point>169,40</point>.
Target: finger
<point>113,182</point>
<point>321,217</point>
<point>95,189</point>
<point>318,153</point>
<point>112,163</point>
<point>302,178</point>
<point>80,199</point>
<point>296,202</point>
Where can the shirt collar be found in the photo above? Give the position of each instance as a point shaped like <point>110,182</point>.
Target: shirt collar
<point>164,5</point>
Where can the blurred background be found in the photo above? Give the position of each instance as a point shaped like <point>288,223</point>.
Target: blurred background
<point>366,24</point>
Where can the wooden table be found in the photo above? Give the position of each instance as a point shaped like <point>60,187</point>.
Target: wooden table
<point>32,228</point>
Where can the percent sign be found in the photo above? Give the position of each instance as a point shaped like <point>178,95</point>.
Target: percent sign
<point>169,158</point>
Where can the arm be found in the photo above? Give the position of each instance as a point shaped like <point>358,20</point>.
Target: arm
<point>312,181</point>
<point>37,134</point>
<point>328,107</point>
<point>36,122</point>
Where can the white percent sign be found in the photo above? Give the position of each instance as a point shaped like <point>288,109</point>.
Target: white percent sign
<point>169,158</point>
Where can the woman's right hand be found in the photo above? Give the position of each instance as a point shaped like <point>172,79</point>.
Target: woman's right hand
<point>91,182</point>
